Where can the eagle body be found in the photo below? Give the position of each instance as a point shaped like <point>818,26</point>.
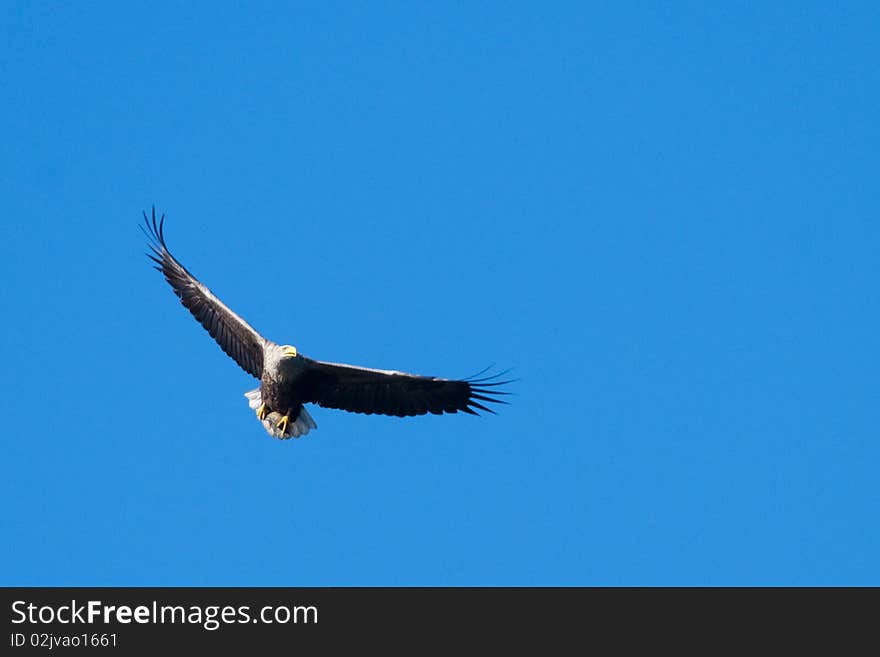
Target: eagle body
<point>289,380</point>
<point>282,391</point>
<point>283,385</point>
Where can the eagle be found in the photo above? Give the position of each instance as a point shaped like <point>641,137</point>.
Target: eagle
<point>289,380</point>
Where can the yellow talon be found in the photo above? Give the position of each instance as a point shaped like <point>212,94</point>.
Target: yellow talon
<point>262,412</point>
<point>283,422</point>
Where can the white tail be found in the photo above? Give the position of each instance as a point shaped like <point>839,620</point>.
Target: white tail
<point>298,427</point>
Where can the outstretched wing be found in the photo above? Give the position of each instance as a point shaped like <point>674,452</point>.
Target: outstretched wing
<point>234,335</point>
<point>362,390</point>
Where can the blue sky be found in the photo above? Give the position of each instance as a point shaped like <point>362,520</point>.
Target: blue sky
<point>664,217</point>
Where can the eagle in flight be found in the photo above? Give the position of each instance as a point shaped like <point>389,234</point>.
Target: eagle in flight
<point>288,380</point>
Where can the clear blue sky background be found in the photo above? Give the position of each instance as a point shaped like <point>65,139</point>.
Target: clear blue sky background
<point>664,217</point>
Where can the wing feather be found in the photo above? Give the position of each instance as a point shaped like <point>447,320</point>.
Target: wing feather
<point>387,392</point>
<point>234,335</point>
